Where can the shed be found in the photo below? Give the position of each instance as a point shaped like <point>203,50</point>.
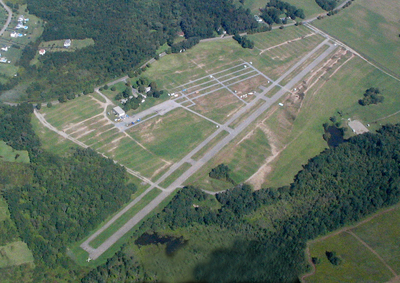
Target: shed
<point>119,112</point>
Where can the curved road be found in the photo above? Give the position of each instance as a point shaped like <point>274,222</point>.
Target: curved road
<point>8,19</point>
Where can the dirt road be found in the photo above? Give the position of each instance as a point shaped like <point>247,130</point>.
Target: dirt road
<point>8,19</point>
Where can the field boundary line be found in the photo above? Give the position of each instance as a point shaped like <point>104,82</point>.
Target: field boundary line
<point>344,229</point>
<point>287,42</point>
<point>372,250</point>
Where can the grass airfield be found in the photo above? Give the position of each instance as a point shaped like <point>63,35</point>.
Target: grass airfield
<point>271,150</point>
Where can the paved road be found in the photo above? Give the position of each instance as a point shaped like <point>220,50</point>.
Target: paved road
<point>8,19</point>
<point>196,165</point>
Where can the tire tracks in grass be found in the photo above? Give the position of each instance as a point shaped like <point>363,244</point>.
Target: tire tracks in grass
<point>344,230</point>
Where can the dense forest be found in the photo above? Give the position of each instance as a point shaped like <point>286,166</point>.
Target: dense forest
<point>337,187</point>
<point>57,200</point>
<point>126,33</point>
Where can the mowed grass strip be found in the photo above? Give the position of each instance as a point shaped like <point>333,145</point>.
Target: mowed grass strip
<point>15,253</point>
<point>210,145</point>
<point>171,178</point>
<point>73,111</point>
<point>133,156</point>
<point>268,39</point>
<point>173,135</point>
<point>354,24</point>
<point>254,149</point>
<point>7,153</point>
<point>50,140</point>
<point>124,218</point>
<point>218,106</point>
<point>359,264</point>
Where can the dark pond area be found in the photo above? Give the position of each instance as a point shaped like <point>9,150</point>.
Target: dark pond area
<point>173,244</point>
<point>335,136</point>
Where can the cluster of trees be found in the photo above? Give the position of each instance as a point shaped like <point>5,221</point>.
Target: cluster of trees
<point>275,8</point>
<point>221,172</point>
<point>119,268</point>
<point>244,41</point>
<point>371,96</point>
<point>126,33</point>
<point>333,258</point>
<point>327,5</point>
<point>183,45</point>
<point>16,129</point>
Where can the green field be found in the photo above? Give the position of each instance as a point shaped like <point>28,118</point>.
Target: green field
<point>370,27</point>
<point>58,45</point>
<point>7,153</point>
<point>172,135</point>
<point>309,6</point>
<point>381,233</point>
<point>15,253</point>
<point>301,135</point>
<point>74,111</point>
<point>358,263</point>
<point>244,155</point>
<point>209,57</point>
<point>95,243</point>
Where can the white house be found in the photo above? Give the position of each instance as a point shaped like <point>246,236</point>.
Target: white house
<point>119,112</point>
<point>5,48</point>
<point>67,43</point>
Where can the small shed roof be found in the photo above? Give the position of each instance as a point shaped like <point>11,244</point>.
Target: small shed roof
<point>118,110</point>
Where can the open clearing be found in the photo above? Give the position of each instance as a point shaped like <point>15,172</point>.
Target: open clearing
<point>58,45</point>
<point>309,6</point>
<point>7,153</point>
<point>369,251</point>
<point>372,28</point>
<point>15,253</point>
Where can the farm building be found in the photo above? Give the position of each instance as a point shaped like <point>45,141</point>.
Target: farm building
<point>67,43</point>
<point>119,112</point>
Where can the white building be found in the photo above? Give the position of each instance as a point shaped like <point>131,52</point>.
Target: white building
<point>119,112</point>
<point>67,43</point>
<point>42,51</point>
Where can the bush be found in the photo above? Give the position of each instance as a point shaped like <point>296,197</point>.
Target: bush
<point>113,88</point>
<point>38,106</point>
<point>49,104</point>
